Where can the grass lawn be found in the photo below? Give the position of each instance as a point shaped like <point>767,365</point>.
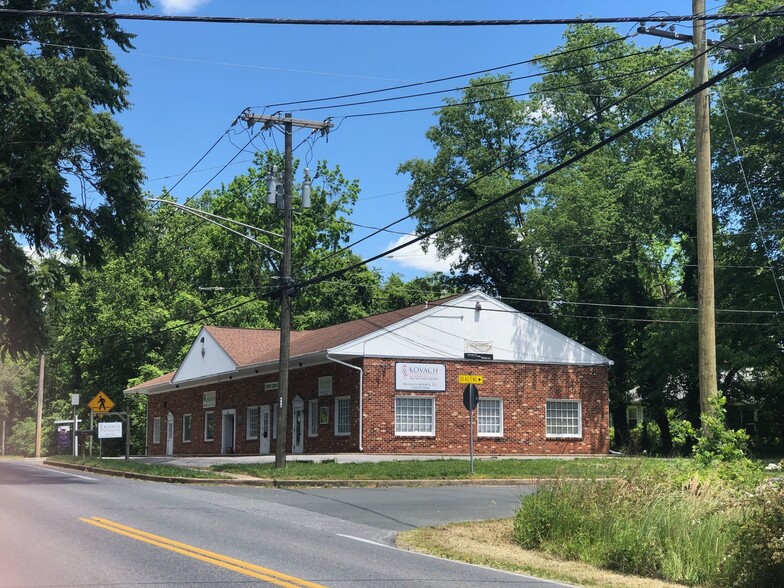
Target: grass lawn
<point>120,465</point>
<point>457,469</point>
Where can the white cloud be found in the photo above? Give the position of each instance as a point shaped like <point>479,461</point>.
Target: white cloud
<point>181,6</point>
<point>413,257</point>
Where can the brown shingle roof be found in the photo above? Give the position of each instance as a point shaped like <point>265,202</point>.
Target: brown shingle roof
<point>248,347</point>
<point>253,346</point>
<point>164,379</point>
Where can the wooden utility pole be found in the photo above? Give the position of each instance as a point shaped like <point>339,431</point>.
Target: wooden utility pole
<point>39,412</point>
<point>706,313</point>
<point>286,280</point>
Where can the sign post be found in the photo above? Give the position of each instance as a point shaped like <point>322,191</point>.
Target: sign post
<point>470,400</point>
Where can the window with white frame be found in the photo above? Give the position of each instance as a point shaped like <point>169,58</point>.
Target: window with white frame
<point>343,416</point>
<point>634,415</point>
<point>252,423</point>
<point>313,418</point>
<point>156,430</point>
<point>186,428</point>
<point>209,426</point>
<point>564,418</point>
<point>415,415</point>
<point>490,417</point>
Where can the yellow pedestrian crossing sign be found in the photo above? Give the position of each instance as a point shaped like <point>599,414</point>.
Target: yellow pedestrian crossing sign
<point>101,403</point>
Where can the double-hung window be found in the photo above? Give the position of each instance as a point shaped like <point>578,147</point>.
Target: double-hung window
<point>313,418</point>
<point>209,426</point>
<point>342,416</point>
<point>186,428</point>
<point>490,417</point>
<point>415,415</point>
<point>252,423</point>
<point>564,418</point>
<point>156,430</point>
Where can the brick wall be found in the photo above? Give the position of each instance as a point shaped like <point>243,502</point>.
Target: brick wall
<point>523,389</point>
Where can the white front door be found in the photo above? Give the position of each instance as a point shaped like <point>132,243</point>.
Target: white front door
<point>227,431</point>
<point>265,431</point>
<point>297,425</point>
<point>170,434</point>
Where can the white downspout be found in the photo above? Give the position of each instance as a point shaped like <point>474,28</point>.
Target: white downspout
<point>361,379</point>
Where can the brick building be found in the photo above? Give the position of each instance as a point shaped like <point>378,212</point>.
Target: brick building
<point>387,384</point>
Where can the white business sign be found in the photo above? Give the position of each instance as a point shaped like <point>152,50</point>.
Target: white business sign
<point>430,377</point>
<point>109,430</point>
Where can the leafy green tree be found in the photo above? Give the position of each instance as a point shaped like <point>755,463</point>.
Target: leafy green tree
<point>59,86</point>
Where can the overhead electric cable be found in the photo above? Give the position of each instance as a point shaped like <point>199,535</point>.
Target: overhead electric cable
<point>379,22</point>
<point>755,59</point>
<point>762,239</point>
<point>452,77</point>
<point>563,132</point>
<point>484,84</point>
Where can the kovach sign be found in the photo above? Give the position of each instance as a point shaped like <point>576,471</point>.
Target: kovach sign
<point>429,377</point>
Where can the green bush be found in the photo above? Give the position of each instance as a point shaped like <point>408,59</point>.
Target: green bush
<point>756,556</point>
<point>715,442</point>
<point>22,439</point>
<point>681,430</point>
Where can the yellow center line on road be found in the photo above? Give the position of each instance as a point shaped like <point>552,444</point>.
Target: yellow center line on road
<point>229,563</point>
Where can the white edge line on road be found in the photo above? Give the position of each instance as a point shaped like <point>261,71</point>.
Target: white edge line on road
<point>59,472</point>
<point>465,563</point>
<point>369,541</point>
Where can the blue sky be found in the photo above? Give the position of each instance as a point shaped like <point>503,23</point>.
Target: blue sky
<point>190,80</point>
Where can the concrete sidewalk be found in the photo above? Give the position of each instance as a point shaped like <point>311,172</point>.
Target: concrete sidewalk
<point>207,461</point>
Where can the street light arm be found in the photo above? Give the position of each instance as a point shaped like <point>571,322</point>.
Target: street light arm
<point>206,216</point>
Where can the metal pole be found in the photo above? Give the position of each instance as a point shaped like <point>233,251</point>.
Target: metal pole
<point>75,443</point>
<point>3,437</point>
<point>39,412</point>
<point>706,314</point>
<point>285,310</point>
<point>92,414</point>
<point>471,436</point>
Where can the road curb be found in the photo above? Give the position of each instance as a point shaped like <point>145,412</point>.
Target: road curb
<point>273,483</point>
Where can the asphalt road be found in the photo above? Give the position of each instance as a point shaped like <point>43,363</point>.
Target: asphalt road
<point>59,528</point>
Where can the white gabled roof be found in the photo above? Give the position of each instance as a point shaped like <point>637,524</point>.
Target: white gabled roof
<point>471,323</point>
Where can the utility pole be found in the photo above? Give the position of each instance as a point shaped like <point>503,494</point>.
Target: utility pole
<point>39,412</point>
<point>706,309</point>
<point>286,280</point>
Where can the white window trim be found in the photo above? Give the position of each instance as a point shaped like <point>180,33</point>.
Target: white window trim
<point>338,400</point>
<point>156,431</point>
<point>579,433</point>
<point>416,433</point>
<point>500,416</point>
<point>189,429</point>
<point>248,436</point>
<point>313,413</point>
<point>212,412</point>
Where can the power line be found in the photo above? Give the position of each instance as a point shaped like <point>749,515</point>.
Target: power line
<point>491,83</point>
<point>762,239</point>
<point>752,60</point>
<point>525,152</point>
<point>383,22</point>
<point>452,77</point>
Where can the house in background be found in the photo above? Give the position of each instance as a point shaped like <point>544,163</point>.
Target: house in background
<point>387,384</point>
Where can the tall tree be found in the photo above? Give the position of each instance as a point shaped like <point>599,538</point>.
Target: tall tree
<point>59,87</point>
